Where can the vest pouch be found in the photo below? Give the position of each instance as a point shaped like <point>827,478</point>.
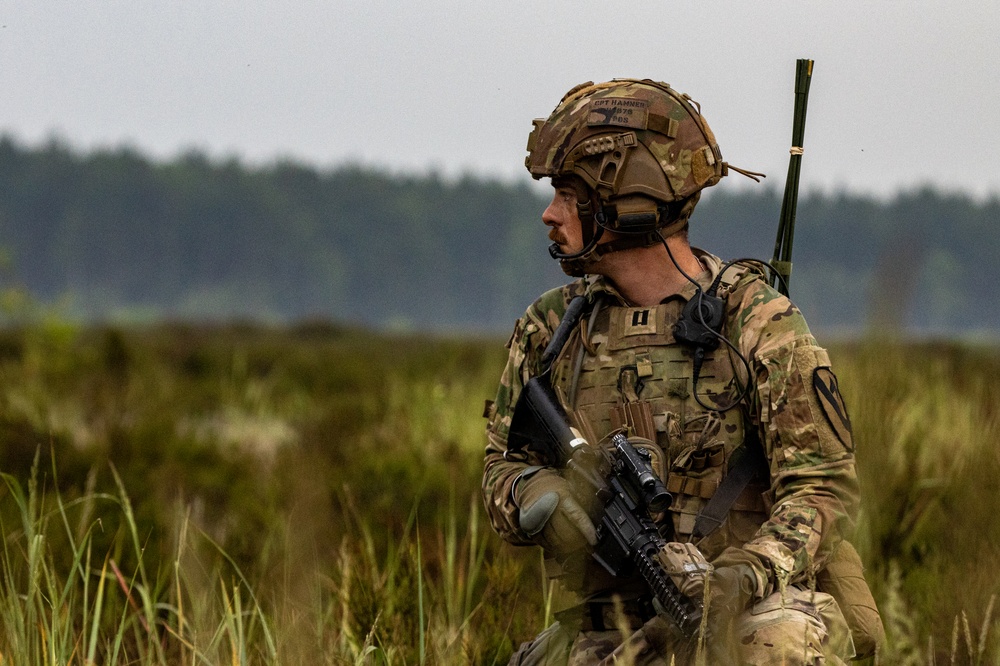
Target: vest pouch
<point>843,578</point>
<point>694,477</point>
<point>636,419</point>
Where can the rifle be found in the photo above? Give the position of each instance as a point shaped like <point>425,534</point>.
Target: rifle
<point>618,488</point>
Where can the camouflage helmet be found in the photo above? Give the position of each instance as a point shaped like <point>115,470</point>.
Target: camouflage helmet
<point>637,144</point>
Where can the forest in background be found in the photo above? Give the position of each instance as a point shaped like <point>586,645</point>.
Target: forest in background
<point>113,235</point>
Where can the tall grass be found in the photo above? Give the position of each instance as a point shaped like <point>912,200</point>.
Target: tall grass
<point>92,611</point>
<point>926,424</point>
<point>248,495</point>
<point>272,497</point>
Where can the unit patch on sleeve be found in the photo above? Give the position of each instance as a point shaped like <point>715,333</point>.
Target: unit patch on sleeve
<point>832,404</point>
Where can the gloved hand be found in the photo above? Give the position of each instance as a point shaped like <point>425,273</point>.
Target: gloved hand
<point>731,589</point>
<point>688,568</point>
<point>549,513</point>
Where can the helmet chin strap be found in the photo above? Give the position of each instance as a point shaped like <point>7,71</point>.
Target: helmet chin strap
<point>589,211</point>
<point>578,264</point>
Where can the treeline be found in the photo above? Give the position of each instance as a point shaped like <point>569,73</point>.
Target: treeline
<point>114,234</point>
<point>918,262</point>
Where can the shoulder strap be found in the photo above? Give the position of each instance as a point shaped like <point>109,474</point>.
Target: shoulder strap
<point>747,464</point>
<point>734,271</point>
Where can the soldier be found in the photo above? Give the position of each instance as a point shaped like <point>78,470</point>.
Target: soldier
<point>702,364</point>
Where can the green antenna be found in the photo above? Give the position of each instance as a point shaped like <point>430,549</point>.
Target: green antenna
<point>782,261</point>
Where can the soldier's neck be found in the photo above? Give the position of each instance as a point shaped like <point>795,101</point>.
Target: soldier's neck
<point>646,276</point>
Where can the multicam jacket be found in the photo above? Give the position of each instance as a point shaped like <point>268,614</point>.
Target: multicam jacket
<point>622,369</point>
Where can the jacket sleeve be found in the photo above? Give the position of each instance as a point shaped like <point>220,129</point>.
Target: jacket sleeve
<point>806,435</point>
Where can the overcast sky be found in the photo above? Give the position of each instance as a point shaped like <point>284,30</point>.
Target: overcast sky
<point>903,93</point>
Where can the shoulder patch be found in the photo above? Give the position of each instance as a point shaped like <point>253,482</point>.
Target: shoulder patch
<point>834,409</point>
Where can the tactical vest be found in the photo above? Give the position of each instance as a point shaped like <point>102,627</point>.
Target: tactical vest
<point>622,368</point>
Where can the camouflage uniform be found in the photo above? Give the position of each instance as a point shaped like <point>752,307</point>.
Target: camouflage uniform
<point>632,374</point>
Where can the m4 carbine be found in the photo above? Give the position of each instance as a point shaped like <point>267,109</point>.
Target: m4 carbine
<point>619,490</point>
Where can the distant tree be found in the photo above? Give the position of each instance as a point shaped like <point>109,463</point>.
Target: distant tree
<point>195,238</point>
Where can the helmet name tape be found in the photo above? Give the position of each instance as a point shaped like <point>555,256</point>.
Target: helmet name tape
<point>619,112</point>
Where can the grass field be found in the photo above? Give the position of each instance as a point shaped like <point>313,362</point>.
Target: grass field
<point>310,495</point>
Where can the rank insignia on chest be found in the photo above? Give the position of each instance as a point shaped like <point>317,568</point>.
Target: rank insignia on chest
<point>640,321</point>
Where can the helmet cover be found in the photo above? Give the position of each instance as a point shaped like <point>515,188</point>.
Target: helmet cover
<point>630,141</point>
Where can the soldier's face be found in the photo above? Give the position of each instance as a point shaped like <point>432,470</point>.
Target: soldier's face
<point>562,217</point>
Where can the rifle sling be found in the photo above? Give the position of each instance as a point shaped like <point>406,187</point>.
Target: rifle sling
<point>746,464</point>
<point>574,311</point>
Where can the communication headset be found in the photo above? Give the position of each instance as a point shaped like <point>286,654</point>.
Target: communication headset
<point>701,320</point>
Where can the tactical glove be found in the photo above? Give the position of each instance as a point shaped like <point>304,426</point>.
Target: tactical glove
<point>549,514</point>
<point>731,589</point>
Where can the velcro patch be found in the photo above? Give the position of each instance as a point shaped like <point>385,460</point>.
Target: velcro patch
<point>640,321</point>
<point>618,111</point>
<point>834,409</point>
